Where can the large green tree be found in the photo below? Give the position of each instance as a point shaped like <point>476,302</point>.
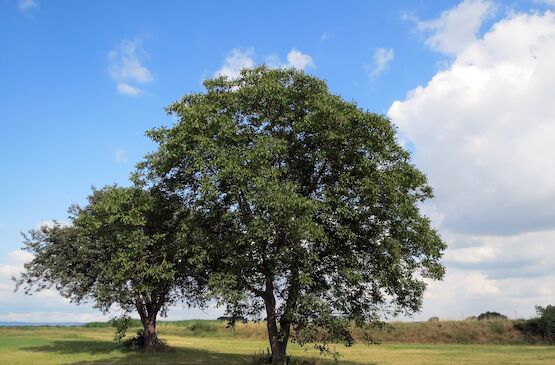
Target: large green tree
<point>310,202</point>
<point>129,249</point>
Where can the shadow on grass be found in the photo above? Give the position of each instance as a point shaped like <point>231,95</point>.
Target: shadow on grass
<point>114,355</point>
<point>79,346</point>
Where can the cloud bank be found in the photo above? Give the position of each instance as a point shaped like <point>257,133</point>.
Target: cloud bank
<point>483,132</point>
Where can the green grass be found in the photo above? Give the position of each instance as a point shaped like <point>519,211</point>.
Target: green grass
<point>94,346</point>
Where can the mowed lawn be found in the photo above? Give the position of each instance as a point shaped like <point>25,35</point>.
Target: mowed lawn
<point>92,346</point>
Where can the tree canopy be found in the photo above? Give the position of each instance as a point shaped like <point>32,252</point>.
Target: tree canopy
<point>129,247</point>
<point>309,203</point>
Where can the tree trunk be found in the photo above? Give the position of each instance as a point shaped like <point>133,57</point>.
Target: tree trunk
<point>150,335</point>
<point>148,313</point>
<point>278,337</point>
<point>279,353</point>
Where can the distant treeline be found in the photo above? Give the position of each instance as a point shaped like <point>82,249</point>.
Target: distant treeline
<point>470,331</point>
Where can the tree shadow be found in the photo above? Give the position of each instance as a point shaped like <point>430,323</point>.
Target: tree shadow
<point>77,346</point>
<point>173,355</point>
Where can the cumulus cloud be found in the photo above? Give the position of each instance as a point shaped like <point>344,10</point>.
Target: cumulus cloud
<point>127,69</point>
<point>27,5</point>
<point>455,28</point>
<point>297,59</point>
<point>380,63</point>
<point>525,255</point>
<point>470,292</point>
<point>238,59</point>
<point>235,61</point>
<point>483,130</point>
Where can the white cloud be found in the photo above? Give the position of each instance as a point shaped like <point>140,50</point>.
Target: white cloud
<point>127,89</point>
<point>238,59</point>
<point>235,61</point>
<point>297,59</point>
<point>488,121</point>
<point>483,132</point>
<point>524,255</point>
<point>27,5</point>
<point>126,67</point>
<point>470,292</point>
<point>120,156</point>
<point>50,223</point>
<point>380,63</point>
<point>20,256</point>
<point>457,27</point>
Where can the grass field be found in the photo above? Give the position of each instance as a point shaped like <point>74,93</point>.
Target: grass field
<point>94,346</point>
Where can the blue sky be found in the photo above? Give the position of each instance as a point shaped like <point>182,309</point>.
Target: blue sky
<point>81,81</point>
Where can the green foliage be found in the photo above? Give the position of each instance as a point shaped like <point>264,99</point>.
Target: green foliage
<point>128,247</point>
<point>308,203</point>
<point>543,326</point>
<point>121,325</point>
<point>491,315</point>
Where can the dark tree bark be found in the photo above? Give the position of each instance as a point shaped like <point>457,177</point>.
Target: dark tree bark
<point>151,337</point>
<point>148,313</point>
<point>278,337</point>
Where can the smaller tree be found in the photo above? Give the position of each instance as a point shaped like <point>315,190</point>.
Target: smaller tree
<point>128,247</point>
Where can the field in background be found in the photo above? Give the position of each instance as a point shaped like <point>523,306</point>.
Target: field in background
<point>94,346</point>
<point>446,332</point>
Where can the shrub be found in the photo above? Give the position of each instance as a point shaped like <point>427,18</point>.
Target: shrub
<point>497,327</point>
<point>433,319</point>
<point>542,326</point>
<point>138,342</point>
<point>491,315</point>
<point>202,327</point>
